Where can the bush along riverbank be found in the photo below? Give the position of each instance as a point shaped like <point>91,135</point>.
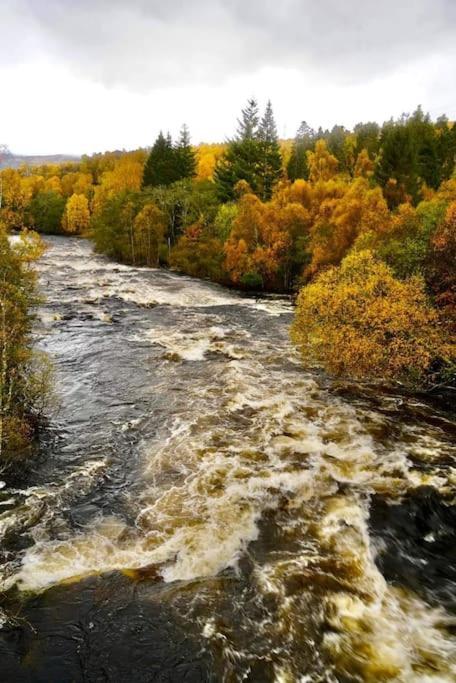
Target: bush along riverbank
<point>25,375</point>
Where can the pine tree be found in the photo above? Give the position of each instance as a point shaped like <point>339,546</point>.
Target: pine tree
<point>368,138</point>
<point>242,158</point>
<point>185,155</point>
<point>161,167</point>
<point>270,166</point>
<point>446,145</point>
<point>248,123</point>
<point>399,161</point>
<point>304,141</point>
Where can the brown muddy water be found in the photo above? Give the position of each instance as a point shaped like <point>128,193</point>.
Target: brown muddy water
<point>205,509</point>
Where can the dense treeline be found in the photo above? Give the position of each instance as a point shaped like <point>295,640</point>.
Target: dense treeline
<point>362,221</point>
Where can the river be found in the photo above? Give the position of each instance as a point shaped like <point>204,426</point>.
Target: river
<point>203,508</point>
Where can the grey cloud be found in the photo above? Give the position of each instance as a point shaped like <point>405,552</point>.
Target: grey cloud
<point>142,44</point>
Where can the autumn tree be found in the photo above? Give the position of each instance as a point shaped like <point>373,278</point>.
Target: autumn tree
<point>207,156</point>
<point>364,166</point>
<point>338,222</point>
<point>53,184</point>
<point>404,246</point>
<point>441,265</point>
<point>13,199</point>
<point>22,378</point>
<point>243,241</point>
<point>199,253</point>
<point>359,320</point>
<point>322,164</point>
<point>125,176</point>
<point>77,183</point>
<point>149,228</point>
<point>76,218</point>
<point>258,252</point>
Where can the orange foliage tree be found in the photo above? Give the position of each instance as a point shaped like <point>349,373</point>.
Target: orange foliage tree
<point>349,210</point>
<point>259,250</point>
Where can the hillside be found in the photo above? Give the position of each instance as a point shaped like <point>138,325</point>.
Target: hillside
<point>10,160</point>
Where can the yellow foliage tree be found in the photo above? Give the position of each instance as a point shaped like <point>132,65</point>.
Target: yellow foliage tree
<point>21,380</point>
<point>53,184</point>
<point>206,166</point>
<point>301,192</point>
<point>13,199</point>
<point>359,320</point>
<point>149,229</point>
<point>447,190</point>
<point>77,183</point>
<point>76,217</point>
<point>125,176</point>
<point>322,164</point>
<point>364,166</point>
<point>31,185</point>
<point>207,156</point>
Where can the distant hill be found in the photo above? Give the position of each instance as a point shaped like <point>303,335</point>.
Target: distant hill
<point>10,160</point>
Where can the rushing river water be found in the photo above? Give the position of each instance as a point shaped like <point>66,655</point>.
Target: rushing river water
<point>205,509</point>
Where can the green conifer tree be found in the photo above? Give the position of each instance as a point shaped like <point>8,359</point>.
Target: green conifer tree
<point>270,162</point>
<point>161,167</point>
<point>399,159</point>
<point>248,123</point>
<point>304,141</point>
<point>185,155</point>
<point>243,156</point>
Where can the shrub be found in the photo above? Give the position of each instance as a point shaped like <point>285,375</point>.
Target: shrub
<point>359,320</point>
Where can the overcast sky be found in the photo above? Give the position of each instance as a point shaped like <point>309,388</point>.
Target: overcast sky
<point>90,75</point>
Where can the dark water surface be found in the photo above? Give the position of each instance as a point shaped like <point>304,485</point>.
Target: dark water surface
<point>204,509</point>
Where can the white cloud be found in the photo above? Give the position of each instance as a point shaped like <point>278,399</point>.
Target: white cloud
<point>87,76</point>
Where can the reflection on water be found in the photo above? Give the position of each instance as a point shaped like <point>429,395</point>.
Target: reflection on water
<point>240,519</point>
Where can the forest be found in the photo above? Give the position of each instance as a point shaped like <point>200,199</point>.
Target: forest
<point>359,224</point>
